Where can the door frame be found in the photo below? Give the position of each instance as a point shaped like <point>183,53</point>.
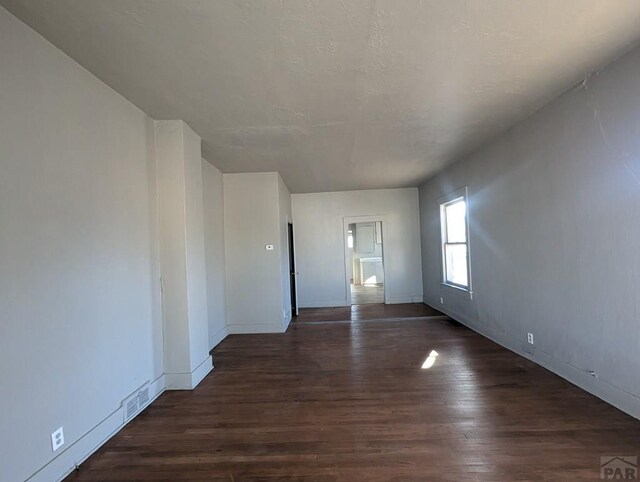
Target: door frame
<point>346,221</point>
<point>293,273</point>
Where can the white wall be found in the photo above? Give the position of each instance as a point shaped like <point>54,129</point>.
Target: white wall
<point>320,243</point>
<point>214,244</point>
<point>252,220</point>
<point>554,233</point>
<point>80,325</point>
<point>182,255</point>
<point>195,253</point>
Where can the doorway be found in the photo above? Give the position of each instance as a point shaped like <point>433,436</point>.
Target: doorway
<point>292,271</point>
<point>365,263</point>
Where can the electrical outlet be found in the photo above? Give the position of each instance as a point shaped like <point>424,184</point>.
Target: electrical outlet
<point>441,300</point>
<point>530,338</point>
<point>57,439</point>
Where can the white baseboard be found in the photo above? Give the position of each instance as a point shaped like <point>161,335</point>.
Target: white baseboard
<point>76,453</point>
<point>403,299</point>
<point>285,324</point>
<point>322,303</point>
<point>252,328</point>
<point>217,337</point>
<point>188,381</point>
<point>622,400</point>
<point>598,387</point>
<point>335,303</point>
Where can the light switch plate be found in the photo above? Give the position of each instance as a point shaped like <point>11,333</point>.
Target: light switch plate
<point>269,247</point>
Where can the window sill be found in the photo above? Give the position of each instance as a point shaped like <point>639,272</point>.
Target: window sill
<point>465,293</point>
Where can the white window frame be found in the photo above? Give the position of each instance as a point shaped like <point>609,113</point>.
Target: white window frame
<point>443,202</point>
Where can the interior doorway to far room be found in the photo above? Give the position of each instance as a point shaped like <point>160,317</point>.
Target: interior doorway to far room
<point>365,262</point>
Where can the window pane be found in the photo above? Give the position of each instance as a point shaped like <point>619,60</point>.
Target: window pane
<point>456,224</point>
<point>456,264</point>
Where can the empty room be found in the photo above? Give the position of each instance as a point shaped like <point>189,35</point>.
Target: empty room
<point>319,240</point>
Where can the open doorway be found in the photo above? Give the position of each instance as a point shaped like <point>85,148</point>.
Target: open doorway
<point>365,262</point>
<point>293,283</point>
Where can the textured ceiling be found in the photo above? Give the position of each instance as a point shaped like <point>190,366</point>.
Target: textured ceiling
<point>337,95</point>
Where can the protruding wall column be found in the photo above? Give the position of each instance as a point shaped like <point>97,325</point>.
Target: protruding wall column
<point>182,255</point>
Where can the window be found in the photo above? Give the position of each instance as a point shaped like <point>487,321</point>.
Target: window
<point>455,242</point>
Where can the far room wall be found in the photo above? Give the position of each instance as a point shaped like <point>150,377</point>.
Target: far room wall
<point>320,243</point>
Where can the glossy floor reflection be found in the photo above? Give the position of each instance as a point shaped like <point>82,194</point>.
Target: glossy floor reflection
<point>367,294</point>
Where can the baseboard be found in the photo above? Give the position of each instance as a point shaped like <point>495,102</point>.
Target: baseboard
<point>396,300</point>
<point>322,303</point>
<point>66,462</point>
<point>188,381</point>
<point>613,395</point>
<point>217,337</point>
<point>253,328</point>
<point>624,401</point>
<point>285,324</point>
<point>76,453</point>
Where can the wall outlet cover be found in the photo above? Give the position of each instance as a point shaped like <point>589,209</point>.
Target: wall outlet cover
<point>57,439</point>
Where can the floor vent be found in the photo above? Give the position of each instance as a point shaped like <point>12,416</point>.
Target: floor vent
<point>136,402</point>
<point>132,408</point>
<point>143,397</point>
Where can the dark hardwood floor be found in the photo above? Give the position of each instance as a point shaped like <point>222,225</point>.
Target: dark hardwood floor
<point>350,402</point>
<point>367,312</point>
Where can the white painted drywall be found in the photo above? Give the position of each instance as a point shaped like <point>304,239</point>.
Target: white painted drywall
<point>252,220</point>
<point>196,260</point>
<point>320,243</point>
<point>214,246</point>
<point>554,231</point>
<point>80,325</point>
<point>182,254</point>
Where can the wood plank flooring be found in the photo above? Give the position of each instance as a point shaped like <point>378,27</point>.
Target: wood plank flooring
<point>364,295</point>
<point>350,402</point>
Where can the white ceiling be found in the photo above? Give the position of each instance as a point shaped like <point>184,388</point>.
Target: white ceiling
<point>344,94</point>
